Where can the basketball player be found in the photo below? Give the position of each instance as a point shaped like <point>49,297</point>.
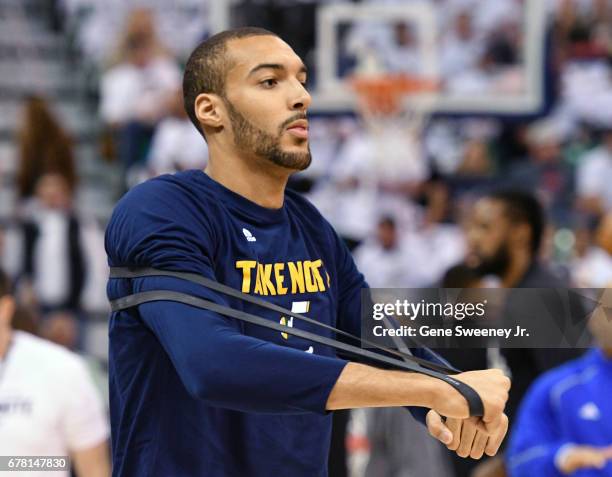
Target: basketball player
<point>196,394</point>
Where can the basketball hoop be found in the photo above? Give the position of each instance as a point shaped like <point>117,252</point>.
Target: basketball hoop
<point>394,108</point>
<point>395,98</point>
<point>384,95</point>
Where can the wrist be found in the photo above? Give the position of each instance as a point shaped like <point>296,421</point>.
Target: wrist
<point>424,390</point>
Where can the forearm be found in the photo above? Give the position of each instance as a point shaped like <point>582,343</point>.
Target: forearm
<point>92,462</point>
<point>360,385</point>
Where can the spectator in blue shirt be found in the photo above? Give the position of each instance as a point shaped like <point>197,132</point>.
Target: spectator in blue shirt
<point>564,424</point>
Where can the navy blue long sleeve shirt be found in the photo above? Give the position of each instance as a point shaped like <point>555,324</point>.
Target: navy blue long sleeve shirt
<point>193,393</point>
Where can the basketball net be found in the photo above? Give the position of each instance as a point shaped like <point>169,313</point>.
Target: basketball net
<point>394,109</point>
<point>395,97</point>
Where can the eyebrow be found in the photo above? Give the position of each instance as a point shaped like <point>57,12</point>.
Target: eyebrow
<point>273,66</point>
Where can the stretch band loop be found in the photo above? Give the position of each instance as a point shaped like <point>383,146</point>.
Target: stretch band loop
<point>410,363</point>
<point>119,272</point>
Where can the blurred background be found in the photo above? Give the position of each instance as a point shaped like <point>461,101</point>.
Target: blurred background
<point>91,104</point>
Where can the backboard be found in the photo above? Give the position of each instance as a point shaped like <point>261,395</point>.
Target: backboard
<point>506,39</point>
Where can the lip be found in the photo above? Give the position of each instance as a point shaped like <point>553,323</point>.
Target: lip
<point>299,128</point>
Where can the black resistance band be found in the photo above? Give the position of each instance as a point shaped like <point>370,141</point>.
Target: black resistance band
<point>410,363</point>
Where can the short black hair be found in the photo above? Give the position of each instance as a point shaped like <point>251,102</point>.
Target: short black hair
<point>523,207</point>
<point>207,67</point>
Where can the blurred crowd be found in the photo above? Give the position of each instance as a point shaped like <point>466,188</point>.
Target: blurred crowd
<point>479,46</point>
<point>410,208</point>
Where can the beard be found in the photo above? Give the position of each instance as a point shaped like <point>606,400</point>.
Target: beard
<point>497,264</point>
<point>249,137</point>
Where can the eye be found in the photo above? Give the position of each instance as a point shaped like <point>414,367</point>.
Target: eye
<point>269,83</point>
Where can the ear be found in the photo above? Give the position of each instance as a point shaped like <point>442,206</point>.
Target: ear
<point>521,235</point>
<point>7,310</point>
<point>208,110</point>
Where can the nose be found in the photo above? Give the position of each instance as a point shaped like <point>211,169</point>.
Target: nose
<point>301,98</point>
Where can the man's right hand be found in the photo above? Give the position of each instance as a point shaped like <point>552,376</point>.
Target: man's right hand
<point>491,385</point>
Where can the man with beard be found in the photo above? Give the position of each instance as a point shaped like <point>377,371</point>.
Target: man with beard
<point>195,393</point>
<point>504,238</point>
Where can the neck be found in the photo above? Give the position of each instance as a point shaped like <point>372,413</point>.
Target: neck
<point>253,178</point>
<point>519,263</point>
<point>5,340</point>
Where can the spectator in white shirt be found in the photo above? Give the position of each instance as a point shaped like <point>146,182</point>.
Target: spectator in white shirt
<point>375,170</point>
<point>135,93</point>
<point>382,260</point>
<point>48,403</point>
<point>594,176</point>
<point>403,56</point>
<point>591,265</point>
<point>461,48</point>
<point>177,145</point>
<point>60,254</point>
